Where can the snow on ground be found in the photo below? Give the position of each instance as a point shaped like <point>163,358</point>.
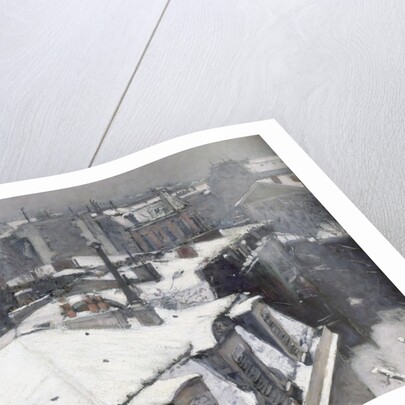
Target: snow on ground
<point>389,355</point>
<point>166,390</point>
<point>105,365</point>
<point>225,392</point>
<point>270,356</point>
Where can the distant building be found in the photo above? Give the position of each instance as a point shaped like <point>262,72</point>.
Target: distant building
<point>166,223</point>
<point>286,205</point>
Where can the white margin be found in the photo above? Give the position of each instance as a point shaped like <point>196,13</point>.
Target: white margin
<point>331,197</point>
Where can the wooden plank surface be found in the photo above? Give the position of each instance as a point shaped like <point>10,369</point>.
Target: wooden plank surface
<point>330,72</point>
<point>64,66</point>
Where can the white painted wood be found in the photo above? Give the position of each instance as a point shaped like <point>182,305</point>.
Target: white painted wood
<point>330,72</point>
<point>63,68</point>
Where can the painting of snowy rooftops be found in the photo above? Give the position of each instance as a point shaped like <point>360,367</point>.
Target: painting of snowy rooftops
<point>210,277</point>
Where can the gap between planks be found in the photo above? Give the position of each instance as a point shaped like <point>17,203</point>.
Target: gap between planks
<point>128,84</point>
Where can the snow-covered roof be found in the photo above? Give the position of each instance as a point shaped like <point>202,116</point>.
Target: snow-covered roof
<point>224,391</point>
<point>180,275</point>
<point>63,359</point>
<point>25,290</point>
<point>161,392</point>
<point>267,190</point>
<point>265,164</point>
<point>243,307</point>
<point>269,355</point>
<point>294,328</point>
<point>96,261</point>
<point>68,272</point>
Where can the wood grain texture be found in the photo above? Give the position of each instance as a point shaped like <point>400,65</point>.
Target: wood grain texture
<point>63,68</point>
<point>330,72</point>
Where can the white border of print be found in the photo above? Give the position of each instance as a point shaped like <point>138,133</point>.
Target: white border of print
<point>345,212</point>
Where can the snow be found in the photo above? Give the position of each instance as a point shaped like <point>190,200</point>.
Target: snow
<point>31,303</point>
<point>389,355</point>
<point>88,261</point>
<point>225,392</point>
<point>45,270</point>
<point>287,237</point>
<point>126,223</point>
<point>95,261</point>
<point>23,279</point>
<point>161,392</point>
<point>7,338</point>
<point>17,223</point>
<point>97,276</point>
<point>50,312</point>
<point>68,272</point>
<point>178,277</point>
<point>25,290</point>
<point>288,181</point>
<point>114,294</point>
<point>295,329</point>
<point>196,321</point>
<point>128,271</point>
<point>270,356</point>
<point>33,380</point>
<point>200,188</point>
<point>243,307</point>
<point>6,231</point>
<point>63,359</point>
<point>263,165</point>
<point>355,301</point>
<point>180,280</point>
<point>110,212</point>
<point>327,230</point>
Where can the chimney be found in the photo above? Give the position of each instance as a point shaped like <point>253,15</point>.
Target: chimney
<point>132,297</point>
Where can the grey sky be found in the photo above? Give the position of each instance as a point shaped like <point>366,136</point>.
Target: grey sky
<point>189,165</point>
